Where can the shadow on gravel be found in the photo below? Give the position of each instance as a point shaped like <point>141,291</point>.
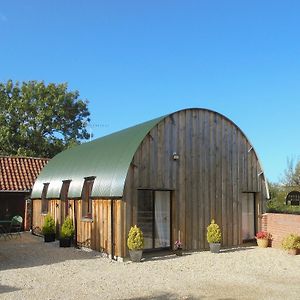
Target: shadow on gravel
<point>30,251</point>
<point>7,289</point>
<point>235,249</point>
<point>169,296</point>
<point>161,255</point>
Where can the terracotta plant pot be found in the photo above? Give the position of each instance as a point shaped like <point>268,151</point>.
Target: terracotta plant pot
<point>294,251</point>
<point>262,243</point>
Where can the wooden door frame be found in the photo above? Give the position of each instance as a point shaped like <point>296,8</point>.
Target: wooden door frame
<point>153,249</point>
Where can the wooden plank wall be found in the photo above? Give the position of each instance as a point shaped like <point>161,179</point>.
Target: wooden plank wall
<point>38,217</point>
<point>95,234</point>
<point>215,167</point>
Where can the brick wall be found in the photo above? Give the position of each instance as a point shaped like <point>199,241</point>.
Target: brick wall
<point>280,225</point>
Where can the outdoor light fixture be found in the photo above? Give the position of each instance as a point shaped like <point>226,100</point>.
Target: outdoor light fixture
<point>260,173</point>
<point>175,156</point>
<point>250,149</point>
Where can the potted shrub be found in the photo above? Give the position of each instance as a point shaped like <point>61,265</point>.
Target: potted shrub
<point>48,229</point>
<point>214,237</point>
<point>262,239</point>
<point>291,243</point>
<point>178,248</point>
<point>67,233</point>
<point>135,243</point>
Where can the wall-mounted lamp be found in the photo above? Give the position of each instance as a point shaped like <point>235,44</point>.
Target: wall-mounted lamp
<point>260,173</point>
<point>250,149</point>
<point>175,156</point>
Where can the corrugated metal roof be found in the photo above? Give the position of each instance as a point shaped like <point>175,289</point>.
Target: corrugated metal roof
<point>107,158</point>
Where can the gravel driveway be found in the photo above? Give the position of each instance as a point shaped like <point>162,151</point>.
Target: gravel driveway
<point>31,269</point>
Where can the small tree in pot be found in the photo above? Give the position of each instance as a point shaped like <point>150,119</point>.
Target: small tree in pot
<point>67,233</point>
<point>135,243</point>
<point>48,229</point>
<point>291,243</point>
<point>214,237</point>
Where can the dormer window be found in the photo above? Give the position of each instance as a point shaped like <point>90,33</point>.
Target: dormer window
<point>87,207</point>
<point>44,206</point>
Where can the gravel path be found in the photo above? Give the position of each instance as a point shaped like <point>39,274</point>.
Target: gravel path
<point>31,269</point>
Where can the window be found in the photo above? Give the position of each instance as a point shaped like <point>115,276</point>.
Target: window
<point>64,199</point>
<point>154,218</point>
<point>86,198</point>
<point>44,199</point>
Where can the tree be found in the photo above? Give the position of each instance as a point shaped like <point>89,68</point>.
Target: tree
<point>291,175</point>
<point>40,120</point>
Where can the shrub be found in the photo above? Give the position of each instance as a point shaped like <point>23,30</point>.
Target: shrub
<point>279,207</point>
<point>49,225</point>
<point>292,241</point>
<point>135,239</point>
<point>214,234</point>
<point>67,229</point>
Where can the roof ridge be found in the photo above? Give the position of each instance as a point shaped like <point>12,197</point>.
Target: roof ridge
<point>29,157</point>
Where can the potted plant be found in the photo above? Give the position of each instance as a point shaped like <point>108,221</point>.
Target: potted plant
<point>214,237</point>
<point>48,229</point>
<point>291,243</point>
<point>135,243</point>
<point>67,233</point>
<point>178,248</point>
<point>262,239</point>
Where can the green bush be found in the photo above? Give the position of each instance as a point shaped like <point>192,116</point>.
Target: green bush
<point>279,207</point>
<point>67,229</point>
<point>135,239</point>
<point>49,225</point>
<point>214,234</point>
<point>292,241</point>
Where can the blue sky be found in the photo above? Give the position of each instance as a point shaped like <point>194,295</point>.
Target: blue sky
<point>136,60</point>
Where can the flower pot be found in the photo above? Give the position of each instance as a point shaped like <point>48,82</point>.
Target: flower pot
<point>262,243</point>
<point>136,255</point>
<point>294,251</point>
<point>214,247</point>
<point>65,242</point>
<point>178,251</point>
<point>49,237</point>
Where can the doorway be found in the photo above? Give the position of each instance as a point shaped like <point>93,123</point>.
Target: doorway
<point>154,218</point>
<point>249,216</point>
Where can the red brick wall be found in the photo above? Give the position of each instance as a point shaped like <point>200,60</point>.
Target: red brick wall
<point>280,225</point>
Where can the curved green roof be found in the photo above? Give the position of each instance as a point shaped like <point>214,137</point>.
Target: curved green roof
<point>107,158</point>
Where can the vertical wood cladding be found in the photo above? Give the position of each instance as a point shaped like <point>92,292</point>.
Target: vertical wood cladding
<point>94,233</point>
<point>216,165</point>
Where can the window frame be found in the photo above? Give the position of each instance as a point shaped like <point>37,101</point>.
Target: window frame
<point>86,199</point>
<point>44,201</point>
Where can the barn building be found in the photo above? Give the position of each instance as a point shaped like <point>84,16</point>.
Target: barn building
<point>170,176</point>
<point>17,176</point>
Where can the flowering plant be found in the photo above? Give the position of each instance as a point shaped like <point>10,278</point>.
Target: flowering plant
<point>177,245</point>
<point>263,235</point>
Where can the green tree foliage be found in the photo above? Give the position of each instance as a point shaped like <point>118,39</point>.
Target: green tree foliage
<point>291,175</point>
<point>214,234</point>
<point>40,120</point>
<point>49,225</point>
<point>67,230</point>
<point>135,239</point>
